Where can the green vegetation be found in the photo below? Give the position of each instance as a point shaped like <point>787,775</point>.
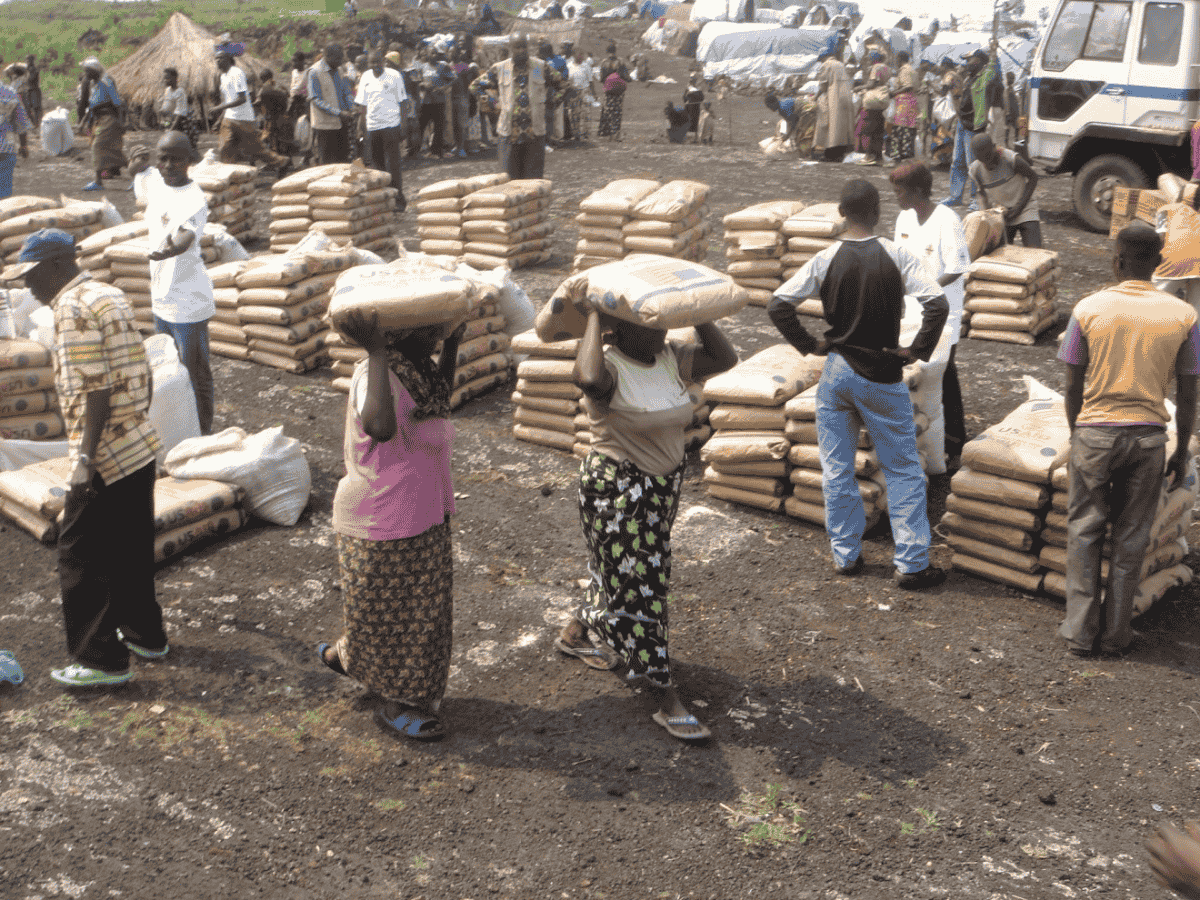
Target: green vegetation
<point>769,820</point>
<point>929,822</point>
<point>51,29</point>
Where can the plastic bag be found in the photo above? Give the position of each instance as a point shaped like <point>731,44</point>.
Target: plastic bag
<point>943,110</point>
<point>173,403</point>
<point>269,467</point>
<point>229,248</point>
<point>57,137</point>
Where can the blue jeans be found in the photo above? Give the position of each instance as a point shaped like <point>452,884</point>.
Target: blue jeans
<point>963,157</point>
<point>191,340</point>
<point>8,162</point>
<point>845,402</point>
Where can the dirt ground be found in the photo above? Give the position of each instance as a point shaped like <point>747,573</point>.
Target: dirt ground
<point>868,742</point>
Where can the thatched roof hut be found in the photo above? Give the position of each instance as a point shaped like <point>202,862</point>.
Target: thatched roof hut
<point>186,46</point>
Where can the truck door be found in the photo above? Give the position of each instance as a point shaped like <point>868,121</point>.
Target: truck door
<point>1161,89</point>
<point>1083,69</point>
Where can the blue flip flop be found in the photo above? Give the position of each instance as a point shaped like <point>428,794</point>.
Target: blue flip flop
<point>672,725</point>
<point>412,724</point>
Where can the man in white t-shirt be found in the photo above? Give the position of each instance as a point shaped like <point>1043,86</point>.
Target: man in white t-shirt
<point>934,234</point>
<point>380,101</point>
<point>181,293</point>
<point>239,140</point>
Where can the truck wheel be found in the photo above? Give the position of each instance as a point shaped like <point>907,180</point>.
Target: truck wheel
<point>1096,183</point>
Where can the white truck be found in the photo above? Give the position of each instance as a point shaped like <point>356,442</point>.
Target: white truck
<point>1114,89</point>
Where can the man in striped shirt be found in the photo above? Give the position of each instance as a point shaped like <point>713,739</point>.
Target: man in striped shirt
<point>106,542</point>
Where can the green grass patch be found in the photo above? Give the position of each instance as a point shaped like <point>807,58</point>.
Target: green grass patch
<point>767,820</point>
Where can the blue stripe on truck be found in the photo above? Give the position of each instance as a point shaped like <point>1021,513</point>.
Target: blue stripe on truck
<point>1185,95</point>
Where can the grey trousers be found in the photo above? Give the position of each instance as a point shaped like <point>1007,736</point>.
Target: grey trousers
<point>1116,476</point>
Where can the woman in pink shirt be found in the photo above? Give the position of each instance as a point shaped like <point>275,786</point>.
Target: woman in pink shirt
<point>392,514</point>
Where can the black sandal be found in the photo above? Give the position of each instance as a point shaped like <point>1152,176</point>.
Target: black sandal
<point>335,664</point>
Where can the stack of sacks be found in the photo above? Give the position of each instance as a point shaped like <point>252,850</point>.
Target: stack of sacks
<point>995,510</point>
<point>226,336</point>
<point>507,225</point>
<point>1163,567</point>
<point>90,250</point>
<point>128,265</point>
<point>602,218</point>
<point>281,306</point>
<point>672,221</point>
<point>28,402</point>
<point>413,292</point>
<point>808,499</point>
<point>186,511</point>
<point>439,212</point>
<point>229,190</point>
<point>747,453</point>
<point>80,220</point>
<point>290,215</point>
<point>810,231</point>
<point>1010,294</point>
<point>547,398</point>
<point>358,207</point>
<point>484,358</point>
<point>648,290</point>
<point>755,246</point>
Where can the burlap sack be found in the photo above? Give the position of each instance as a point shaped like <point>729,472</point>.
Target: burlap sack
<point>528,342</point>
<point>994,512</point>
<point>984,231</point>
<point>556,439</point>
<point>170,544</point>
<point>745,446</point>
<point>769,378</point>
<point>451,187</point>
<point>673,201</point>
<point>11,207</point>
<point>989,532</point>
<point>819,220</point>
<point>20,353</point>
<point>599,220</point>
<point>1017,265</point>
<point>747,498</point>
<point>1029,444</point>
<point>618,197</point>
<point>513,193</point>
<point>654,291</point>
<point>39,487</point>
<point>409,293</point>
<point>730,417</point>
<point>660,227</point>
<point>993,572</point>
<point>438,219</point>
<point>1156,586</point>
<point>769,215</point>
<point>1001,556</point>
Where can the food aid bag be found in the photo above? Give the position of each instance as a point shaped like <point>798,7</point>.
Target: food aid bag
<point>57,136</point>
<point>173,403</point>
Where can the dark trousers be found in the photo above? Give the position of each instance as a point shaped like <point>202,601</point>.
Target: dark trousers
<point>1031,233</point>
<point>434,114</point>
<point>106,570</point>
<point>952,408</point>
<point>385,156</point>
<point>524,159</point>
<point>1116,476</point>
<point>331,145</point>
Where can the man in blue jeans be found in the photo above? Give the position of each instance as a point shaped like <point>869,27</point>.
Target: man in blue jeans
<point>181,293</point>
<point>862,281</point>
<point>981,72</point>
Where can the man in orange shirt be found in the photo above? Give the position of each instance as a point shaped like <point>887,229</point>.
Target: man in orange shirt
<point>1122,347</point>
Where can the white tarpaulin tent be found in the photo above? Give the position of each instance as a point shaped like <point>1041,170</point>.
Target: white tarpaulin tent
<point>1014,49</point>
<point>720,11</point>
<point>762,55</point>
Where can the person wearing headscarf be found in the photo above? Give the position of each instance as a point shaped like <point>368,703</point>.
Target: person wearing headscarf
<point>875,100</point>
<point>105,111</point>
<point>835,105</point>
<point>392,515</point>
<point>904,119</point>
<point>614,76</point>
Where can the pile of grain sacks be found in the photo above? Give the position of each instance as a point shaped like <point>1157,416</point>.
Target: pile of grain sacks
<point>226,336</point>
<point>747,454</point>
<point>90,251</point>
<point>28,402</point>
<point>22,216</point>
<point>603,215</point>
<point>508,225</point>
<point>1163,567</point>
<point>346,201</point>
<point>1010,294</point>
<point>755,246</point>
<point>997,506</point>
<point>230,191</point>
<point>127,266</point>
<point>281,306</point>
<point>439,209</point>
<point>672,221</point>
<point>547,400</point>
<point>808,499</point>
<point>808,232</point>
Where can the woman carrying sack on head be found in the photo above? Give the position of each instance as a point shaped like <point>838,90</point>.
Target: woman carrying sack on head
<point>628,495</point>
<point>392,514</point>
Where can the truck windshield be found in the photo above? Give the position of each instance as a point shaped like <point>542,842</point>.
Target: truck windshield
<point>1087,30</point>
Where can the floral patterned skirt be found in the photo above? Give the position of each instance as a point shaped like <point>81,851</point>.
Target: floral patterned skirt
<point>627,517</point>
<point>399,614</point>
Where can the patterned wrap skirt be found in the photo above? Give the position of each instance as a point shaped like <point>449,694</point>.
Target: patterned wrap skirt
<point>610,114</point>
<point>399,615</point>
<point>627,517</point>
<point>107,139</point>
